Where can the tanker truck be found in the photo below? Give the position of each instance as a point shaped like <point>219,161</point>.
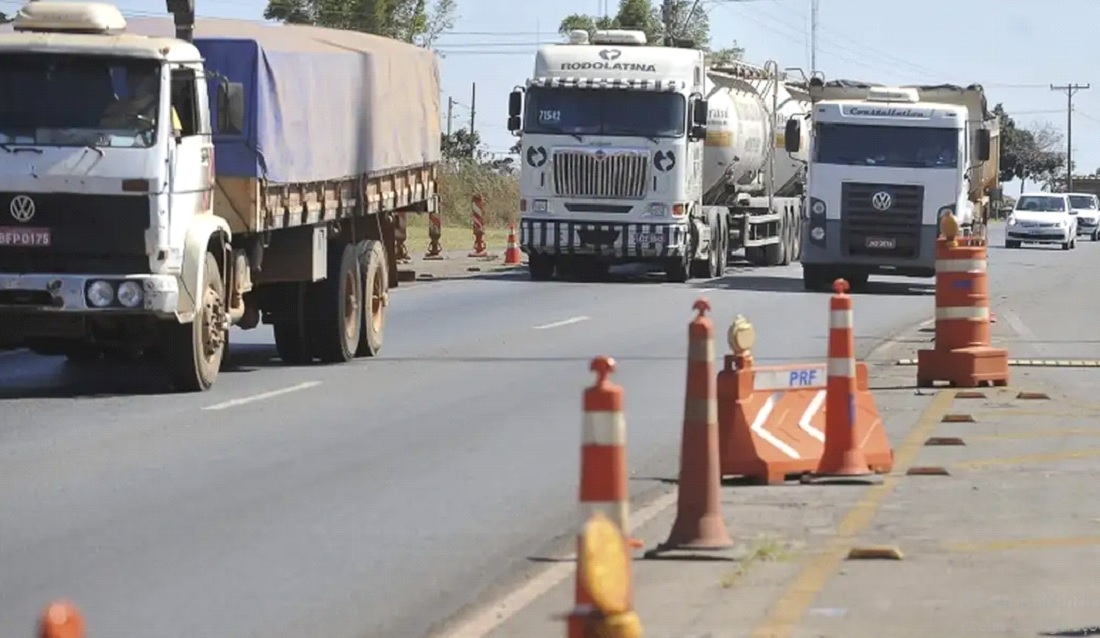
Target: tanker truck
<point>123,237</point>
<point>643,154</point>
<point>887,164</point>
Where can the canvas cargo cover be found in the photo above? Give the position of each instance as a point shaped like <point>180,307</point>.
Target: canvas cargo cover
<point>320,104</point>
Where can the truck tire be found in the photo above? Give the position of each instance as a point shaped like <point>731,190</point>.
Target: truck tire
<point>776,254</point>
<point>337,307</point>
<point>291,336</point>
<point>372,259</point>
<point>796,240</point>
<point>756,255</point>
<point>194,351</point>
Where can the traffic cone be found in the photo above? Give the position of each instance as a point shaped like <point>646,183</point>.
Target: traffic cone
<point>603,484</point>
<point>512,254</point>
<point>61,620</point>
<point>699,524</point>
<point>842,456</point>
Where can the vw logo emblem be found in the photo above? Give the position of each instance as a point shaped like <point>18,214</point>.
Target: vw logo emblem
<point>22,208</point>
<point>882,200</point>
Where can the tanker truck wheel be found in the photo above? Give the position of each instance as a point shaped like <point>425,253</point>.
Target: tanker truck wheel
<point>194,351</point>
<point>375,298</point>
<point>291,337</point>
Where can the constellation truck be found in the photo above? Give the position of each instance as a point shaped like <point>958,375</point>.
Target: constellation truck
<point>886,163</point>
<point>636,153</point>
<point>121,235</point>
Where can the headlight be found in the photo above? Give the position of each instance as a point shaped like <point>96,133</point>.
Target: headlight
<point>657,209</point>
<point>818,233</point>
<point>539,206</point>
<point>1011,220</point>
<point>130,294</point>
<point>818,208</point>
<point>1063,224</point>
<point>100,294</point>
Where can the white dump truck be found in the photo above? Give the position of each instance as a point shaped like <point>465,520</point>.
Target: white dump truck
<point>886,164</point>
<point>120,234</point>
<point>637,153</point>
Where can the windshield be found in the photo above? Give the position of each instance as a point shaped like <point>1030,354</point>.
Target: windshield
<point>1082,202</point>
<point>894,146</point>
<point>78,100</point>
<point>1041,204</point>
<point>614,112</point>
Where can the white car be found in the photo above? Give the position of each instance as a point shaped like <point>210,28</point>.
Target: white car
<point>1042,218</point>
<point>1086,207</point>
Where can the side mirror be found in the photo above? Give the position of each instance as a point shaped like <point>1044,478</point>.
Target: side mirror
<point>983,144</point>
<point>231,108</point>
<point>515,103</point>
<point>514,123</point>
<point>699,113</point>
<point>792,136</point>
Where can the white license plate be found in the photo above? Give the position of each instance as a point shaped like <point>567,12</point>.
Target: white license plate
<point>881,243</point>
<point>646,238</point>
<point>14,236</point>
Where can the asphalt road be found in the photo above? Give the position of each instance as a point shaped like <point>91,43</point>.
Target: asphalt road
<point>372,499</point>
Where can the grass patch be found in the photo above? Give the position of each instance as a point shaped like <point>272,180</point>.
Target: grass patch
<point>765,549</point>
<point>454,237</point>
<point>459,181</point>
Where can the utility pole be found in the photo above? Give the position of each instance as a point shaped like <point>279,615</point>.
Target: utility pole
<point>813,35</point>
<point>473,106</point>
<point>666,21</point>
<point>1070,90</point>
<point>450,114</point>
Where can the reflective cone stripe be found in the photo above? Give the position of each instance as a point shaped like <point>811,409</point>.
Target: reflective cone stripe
<point>962,297</point>
<point>512,252</point>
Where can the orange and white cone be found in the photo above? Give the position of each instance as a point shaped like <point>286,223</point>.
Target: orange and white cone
<point>842,455</point>
<point>512,254</point>
<point>603,486</point>
<point>699,523</point>
<point>61,620</point>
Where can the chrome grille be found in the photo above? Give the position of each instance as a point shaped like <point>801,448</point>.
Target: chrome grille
<point>863,223</point>
<point>617,175</point>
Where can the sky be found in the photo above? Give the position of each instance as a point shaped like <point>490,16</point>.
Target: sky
<point>1001,44</point>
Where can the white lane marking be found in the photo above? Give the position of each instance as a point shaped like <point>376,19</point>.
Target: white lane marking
<point>500,611</point>
<point>703,291</point>
<point>559,324</point>
<point>1019,326</point>
<point>260,397</point>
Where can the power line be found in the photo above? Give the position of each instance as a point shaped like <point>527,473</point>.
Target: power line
<point>1070,91</point>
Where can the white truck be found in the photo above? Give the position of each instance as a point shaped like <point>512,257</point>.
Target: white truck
<point>119,236</point>
<point>886,163</point>
<point>644,154</point>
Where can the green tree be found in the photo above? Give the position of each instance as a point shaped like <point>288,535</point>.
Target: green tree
<point>1032,153</point>
<point>461,145</point>
<point>687,21</point>
<point>407,20</point>
<point>4,19</point>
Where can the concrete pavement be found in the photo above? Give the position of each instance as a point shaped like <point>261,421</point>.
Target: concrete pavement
<point>371,499</point>
<point>1001,547</point>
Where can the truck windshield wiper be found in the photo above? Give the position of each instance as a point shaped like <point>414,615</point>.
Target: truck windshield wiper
<point>19,149</point>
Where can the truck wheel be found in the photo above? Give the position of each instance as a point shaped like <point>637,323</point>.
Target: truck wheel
<point>756,255</point>
<point>195,350</point>
<point>540,267</point>
<point>797,241</point>
<point>337,307</point>
<point>707,268</point>
<point>375,298</point>
<point>291,337</point>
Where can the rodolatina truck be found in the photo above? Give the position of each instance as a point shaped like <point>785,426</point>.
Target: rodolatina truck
<point>647,154</point>
<point>157,188</point>
<point>886,164</point>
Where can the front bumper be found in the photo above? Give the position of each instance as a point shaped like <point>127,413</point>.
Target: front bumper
<point>1035,235</point>
<point>1087,226</point>
<point>618,241</point>
<point>57,293</point>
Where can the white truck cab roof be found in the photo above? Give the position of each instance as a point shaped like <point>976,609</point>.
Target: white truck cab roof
<point>88,28</point>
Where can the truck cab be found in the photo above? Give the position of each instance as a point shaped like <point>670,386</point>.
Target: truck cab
<point>886,163</point>
<point>611,161</point>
